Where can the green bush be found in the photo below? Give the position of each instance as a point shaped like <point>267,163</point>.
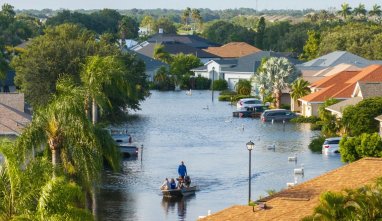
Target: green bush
<point>226,98</point>
<point>316,144</point>
<point>201,83</point>
<point>365,145</point>
<point>315,126</point>
<point>228,92</point>
<point>302,119</point>
<point>220,85</point>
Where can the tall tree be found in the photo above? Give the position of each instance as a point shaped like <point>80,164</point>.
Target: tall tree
<point>280,73</point>
<point>128,28</point>
<point>166,24</point>
<point>311,46</point>
<point>299,89</point>
<point>375,11</point>
<point>148,22</point>
<point>186,16</point>
<point>345,10</point>
<point>360,11</point>
<point>161,54</point>
<point>196,18</point>
<point>260,32</point>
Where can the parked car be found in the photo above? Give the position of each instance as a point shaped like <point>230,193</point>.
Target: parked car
<point>250,112</point>
<point>245,103</point>
<point>331,145</point>
<point>277,115</point>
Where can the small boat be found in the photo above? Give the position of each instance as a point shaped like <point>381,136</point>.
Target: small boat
<point>185,191</point>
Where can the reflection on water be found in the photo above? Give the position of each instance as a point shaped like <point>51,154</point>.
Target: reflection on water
<point>174,127</point>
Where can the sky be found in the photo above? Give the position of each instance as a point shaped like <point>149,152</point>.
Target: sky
<point>181,4</point>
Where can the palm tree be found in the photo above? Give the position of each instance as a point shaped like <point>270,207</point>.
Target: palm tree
<point>360,11</point>
<point>331,207</point>
<point>77,147</point>
<point>280,74</point>
<point>375,11</point>
<point>186,15</point>
<point>243,87</point>
<point>196,17</point>
<point>161,54</point>
<point>97,74</point>
<point>299,89</point>
<point>345,10</point>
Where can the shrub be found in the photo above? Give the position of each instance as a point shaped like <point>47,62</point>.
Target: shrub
<point>226,98</point>
<point>220,85</point>
<point>302,119</point>
<point>316,144</point>
<point>228,92</point>
<point>365,145</point>
<point>201,83</point>
<point>234,98</point>
<point>285,106</point>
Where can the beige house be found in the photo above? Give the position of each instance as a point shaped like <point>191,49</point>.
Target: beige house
<point>362,91</point>
<point>338,86</point>
<point>12,115</point>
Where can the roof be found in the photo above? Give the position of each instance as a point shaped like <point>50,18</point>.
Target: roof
<point>379,118</point>
<point>370,89</point>
<point>190,40</point>
<point>341,85</point>
<point>173,48</point>
<point>233,50</point>
<point>336,58</point>
<point>299,201</point>
<point>340,106</point>
<point>151,63</point>
<point>12,121</point>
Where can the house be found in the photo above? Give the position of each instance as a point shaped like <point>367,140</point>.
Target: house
<point>233,70</point>
<point>333,63</point>
<point>152,65</point>
<point>299,201</point>
<point>176,44</point>
<point>339,86</point>
<point>232,50</point>
<point>13,117</point>
<point>173,48</point>
<point>361,91</point>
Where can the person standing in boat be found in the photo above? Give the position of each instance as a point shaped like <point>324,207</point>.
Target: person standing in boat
<point>182,170</point>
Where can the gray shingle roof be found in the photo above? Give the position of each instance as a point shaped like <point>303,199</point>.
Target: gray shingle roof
<point>151,63</point>
<point>336,58</point>
<point>175,48</point>
<point>190,40</point>
<point>370,89</point>
<point>340,106</point>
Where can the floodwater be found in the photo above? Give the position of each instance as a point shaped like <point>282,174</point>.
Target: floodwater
<point>173,127</point>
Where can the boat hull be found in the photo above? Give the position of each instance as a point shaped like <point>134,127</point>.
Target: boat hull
<point>177,193</point>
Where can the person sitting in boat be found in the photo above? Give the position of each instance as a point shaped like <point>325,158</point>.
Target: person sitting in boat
<point>172,184</point>
<point>165,185</point>
<point>180,183</point>
<point>187,181</point>
<point>182,170</point>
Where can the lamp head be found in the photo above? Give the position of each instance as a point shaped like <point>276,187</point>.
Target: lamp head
<point>250,145</point>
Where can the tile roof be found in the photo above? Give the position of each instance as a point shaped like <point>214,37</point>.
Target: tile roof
<point>233,50</point>
<point>342,85</point>
<point>297,202</point>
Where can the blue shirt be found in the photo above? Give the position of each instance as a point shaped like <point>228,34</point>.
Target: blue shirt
<point>182,170</point>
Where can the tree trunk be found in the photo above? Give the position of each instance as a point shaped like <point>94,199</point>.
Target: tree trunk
<point>278,95</point>
<point>87,108</point>
<point>55,159</point>
<point>94,112</point>
<point>94,202</point>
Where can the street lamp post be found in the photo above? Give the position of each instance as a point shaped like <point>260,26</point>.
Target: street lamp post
<point>212,85</point>
<point>250,145</point>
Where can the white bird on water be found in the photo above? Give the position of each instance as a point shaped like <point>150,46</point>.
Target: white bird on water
<point>294,158</point>
<point>228,120</point>
<point>299,170</point>
<point>206,108</point>
<point>189,93</point>
<point>272,146</point>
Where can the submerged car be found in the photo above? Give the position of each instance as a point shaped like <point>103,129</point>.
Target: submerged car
<point>245,103</point>
<point>277,115</point>
<point>331,145</point>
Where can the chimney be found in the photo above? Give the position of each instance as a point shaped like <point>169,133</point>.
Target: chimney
<point>160,31</point>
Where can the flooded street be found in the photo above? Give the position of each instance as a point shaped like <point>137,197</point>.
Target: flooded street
<point>174,127</point>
